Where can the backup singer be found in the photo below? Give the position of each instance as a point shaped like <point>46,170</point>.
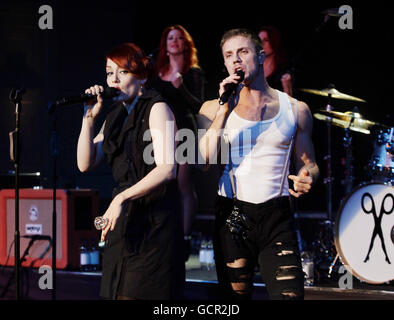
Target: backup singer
<point>181,81</point>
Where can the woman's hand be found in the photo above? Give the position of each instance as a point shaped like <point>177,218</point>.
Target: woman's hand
<point>287,84</point>
<point>112,214</point>
<point>176,79</point>
<point>93,107</point>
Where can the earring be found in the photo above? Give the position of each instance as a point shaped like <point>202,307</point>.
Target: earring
<point>168,53</point>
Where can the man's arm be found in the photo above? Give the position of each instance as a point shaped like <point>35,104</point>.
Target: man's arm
<point>308,171</point>
<point>211,118</point>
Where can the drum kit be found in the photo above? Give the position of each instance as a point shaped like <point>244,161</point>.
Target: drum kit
<point>362,235</point>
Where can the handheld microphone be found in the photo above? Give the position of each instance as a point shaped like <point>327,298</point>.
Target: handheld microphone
<point>108,93</point>
<point>35,237</point>
<point>231,88</point>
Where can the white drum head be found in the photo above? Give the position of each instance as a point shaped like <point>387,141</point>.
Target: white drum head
<point>355,229</point>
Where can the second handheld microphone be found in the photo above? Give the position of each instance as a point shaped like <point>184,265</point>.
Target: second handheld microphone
<point>108,93</point>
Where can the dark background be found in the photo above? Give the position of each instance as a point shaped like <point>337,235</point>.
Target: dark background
<point>66,60</point>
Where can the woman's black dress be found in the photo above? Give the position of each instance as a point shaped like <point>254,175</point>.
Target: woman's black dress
<point>143,255</point>
<point>186,100</point>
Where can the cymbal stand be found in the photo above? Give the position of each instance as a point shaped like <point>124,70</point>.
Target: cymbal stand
<point>329,179</point>
<point>347,143</point>
<point>349,178</point>
<point>324,245</point>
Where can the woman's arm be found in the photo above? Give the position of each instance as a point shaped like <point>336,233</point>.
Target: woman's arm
<point>192,88</point>
<point>164,146</point>
<point>89,151</point>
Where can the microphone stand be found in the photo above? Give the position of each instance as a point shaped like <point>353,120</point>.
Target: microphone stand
<point>54,153</point>
<point>26,253</point>
<point>16,98</point>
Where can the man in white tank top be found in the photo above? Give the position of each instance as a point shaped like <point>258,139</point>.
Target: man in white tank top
<point>260,126</point>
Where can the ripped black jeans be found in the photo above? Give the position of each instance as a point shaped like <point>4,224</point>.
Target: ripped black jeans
<point>271,242</point>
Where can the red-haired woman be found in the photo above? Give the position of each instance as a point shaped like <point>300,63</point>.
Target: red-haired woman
<point>276,61</point>
<point>181,81</point>
<point>141,225</point>
<point>178,76</point>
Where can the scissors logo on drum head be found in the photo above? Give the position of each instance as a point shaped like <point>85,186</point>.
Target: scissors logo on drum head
<point>377,230</point>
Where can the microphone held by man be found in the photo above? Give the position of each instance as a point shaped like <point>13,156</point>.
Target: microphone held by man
<point>231,87</point>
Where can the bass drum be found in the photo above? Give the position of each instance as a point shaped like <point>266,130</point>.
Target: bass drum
<point>364,232</point>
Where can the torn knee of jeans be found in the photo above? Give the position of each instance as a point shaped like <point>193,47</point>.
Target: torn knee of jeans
<point>241,289</point>
<point>283,251</point>
<point>286,272</point>
<point>289,294</point>
<point>242,274</point>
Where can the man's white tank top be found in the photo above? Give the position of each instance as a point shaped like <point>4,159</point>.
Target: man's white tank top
<point>259,154</point>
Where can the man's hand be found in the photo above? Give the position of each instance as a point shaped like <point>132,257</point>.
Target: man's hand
<point>302,183</point>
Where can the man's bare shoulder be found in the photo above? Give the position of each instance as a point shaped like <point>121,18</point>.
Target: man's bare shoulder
<point>209,108</point>
<point>304,114</point>
<point>207,113</point>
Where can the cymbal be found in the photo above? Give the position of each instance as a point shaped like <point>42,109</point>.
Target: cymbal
<point>348,115</point>
<point>358,118</point>
<point>358,126</point>
<point>334,93</point>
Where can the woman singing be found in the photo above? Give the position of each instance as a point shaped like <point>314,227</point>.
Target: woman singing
<point>142,227</point>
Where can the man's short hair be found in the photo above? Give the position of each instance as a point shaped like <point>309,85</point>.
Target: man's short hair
<point>244,33</point>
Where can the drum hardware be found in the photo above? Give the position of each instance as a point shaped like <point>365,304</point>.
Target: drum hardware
<point>324,247</point>
<point>332,265</point>
<point>329,179</point>
<point>325,252</point>
<point>381,164</point>
<point>347,143</point>
<point>349,169</point>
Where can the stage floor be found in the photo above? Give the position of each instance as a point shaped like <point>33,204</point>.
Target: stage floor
<point>200,285</point>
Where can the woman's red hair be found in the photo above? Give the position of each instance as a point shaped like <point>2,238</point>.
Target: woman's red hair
<point>190,53</point>
<point>275,39</point>
<point>130,57</point>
